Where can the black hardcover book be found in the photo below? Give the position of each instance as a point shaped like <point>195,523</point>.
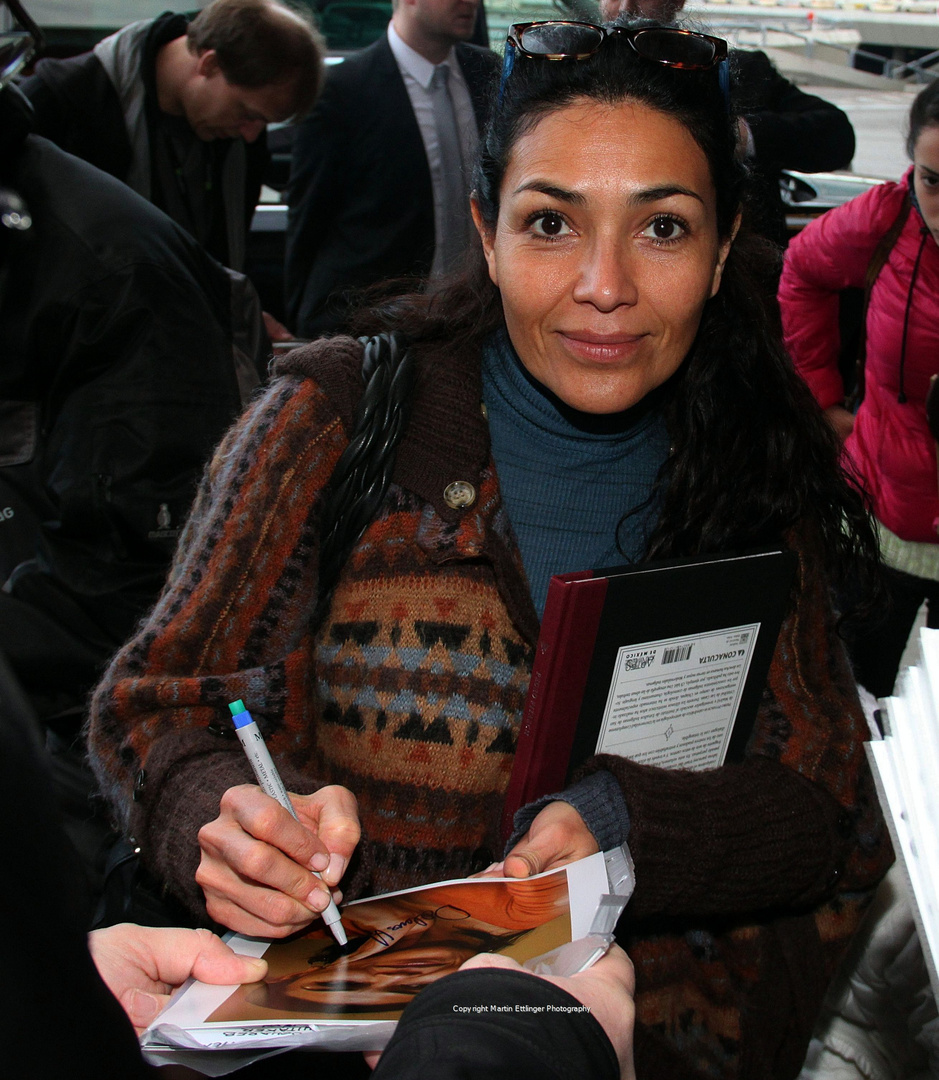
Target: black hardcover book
<point>663,663</point>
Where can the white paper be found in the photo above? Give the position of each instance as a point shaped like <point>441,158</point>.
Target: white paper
<point>905,763</point>
<point>672,703</point>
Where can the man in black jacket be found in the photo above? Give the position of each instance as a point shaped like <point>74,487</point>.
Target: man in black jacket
<point>119,373</point>
<point>118,378</point>
<point>178,110</point>
<point>368,180</point>
<point>785,128</point>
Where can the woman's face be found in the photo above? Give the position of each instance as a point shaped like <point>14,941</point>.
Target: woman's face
<point>381,980</point>
<point>605,251</point>
<point>926,177</point>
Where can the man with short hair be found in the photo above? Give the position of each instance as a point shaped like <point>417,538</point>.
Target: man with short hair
<point>784,128</point>
<point>381,170</point>
<point>177,110</point>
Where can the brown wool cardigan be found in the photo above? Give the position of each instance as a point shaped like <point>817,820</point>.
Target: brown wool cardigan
<point>751,878</point>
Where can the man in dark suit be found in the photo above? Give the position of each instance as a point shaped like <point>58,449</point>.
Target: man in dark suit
<point>368,188</point>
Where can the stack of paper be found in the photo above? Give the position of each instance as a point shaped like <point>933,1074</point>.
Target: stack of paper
<point>905,762</point>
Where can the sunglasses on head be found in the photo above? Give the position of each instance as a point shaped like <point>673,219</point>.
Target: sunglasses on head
<point>565,40</point>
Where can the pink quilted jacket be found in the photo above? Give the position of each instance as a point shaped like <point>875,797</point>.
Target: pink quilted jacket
<point>891,445</point>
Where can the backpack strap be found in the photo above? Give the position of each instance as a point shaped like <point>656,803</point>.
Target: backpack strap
<point>877,263</point>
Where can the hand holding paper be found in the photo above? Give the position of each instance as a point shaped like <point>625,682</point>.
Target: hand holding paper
<point>257,860</point>
<point>557,836</point>
<point>141,965</point>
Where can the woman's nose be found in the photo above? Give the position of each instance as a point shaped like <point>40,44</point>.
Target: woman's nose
<point>607,276</point>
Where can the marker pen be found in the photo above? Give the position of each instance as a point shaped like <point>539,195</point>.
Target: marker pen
<point>271,784</point>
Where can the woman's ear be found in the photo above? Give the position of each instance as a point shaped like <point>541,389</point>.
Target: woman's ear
<point>722,253</point>
<point>487,237</point>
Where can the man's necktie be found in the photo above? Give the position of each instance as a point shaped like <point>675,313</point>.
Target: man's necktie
<point>452,243</point>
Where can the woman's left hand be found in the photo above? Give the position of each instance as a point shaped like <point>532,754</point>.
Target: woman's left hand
<point>557,836</point>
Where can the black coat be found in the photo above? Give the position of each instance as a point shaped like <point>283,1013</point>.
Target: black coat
<point>361,201</point>
<point>117,380</point>
<point>791,130</point>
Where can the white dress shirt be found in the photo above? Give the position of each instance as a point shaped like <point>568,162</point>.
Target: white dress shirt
<point>417,73</point>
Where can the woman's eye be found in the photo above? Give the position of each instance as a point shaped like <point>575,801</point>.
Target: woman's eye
<point>664,228</point>
<point>550,224</point>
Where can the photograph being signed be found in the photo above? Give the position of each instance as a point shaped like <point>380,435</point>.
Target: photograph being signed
<point>398,944</point>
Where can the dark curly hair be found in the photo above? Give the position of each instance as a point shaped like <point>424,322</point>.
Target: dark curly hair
<point>753,456</point>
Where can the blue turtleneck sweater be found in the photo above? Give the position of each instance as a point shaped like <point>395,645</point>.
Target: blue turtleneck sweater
<point>569,478</point>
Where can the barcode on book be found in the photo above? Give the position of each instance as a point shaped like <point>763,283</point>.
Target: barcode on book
<point>675,654</point>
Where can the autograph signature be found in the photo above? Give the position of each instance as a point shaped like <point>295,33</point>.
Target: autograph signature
<point>447,913</point>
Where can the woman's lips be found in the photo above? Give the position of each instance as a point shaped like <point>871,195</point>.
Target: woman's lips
<point>591,345</point>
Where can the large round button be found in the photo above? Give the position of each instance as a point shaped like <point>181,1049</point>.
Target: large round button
<point>459,494</point>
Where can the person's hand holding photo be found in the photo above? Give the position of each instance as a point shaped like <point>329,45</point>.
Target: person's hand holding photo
<point>606,988</point>
<point>142,965</point>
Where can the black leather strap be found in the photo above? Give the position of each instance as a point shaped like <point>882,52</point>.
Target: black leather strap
<point>363,473</point>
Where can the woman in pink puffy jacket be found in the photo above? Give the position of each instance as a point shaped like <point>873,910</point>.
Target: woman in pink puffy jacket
<point>888,441</point>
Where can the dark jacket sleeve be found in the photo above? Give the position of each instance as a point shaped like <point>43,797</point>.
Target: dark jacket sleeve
<point>497,1025</point>
<point>791,129</point>
<point>50,976</point>
<point>315,196</point>
<point>122,328</point>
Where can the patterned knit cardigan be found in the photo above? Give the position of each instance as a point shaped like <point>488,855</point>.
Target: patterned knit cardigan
<point>751,878</point>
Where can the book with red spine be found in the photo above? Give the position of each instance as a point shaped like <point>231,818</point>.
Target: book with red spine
<point>663,663</point>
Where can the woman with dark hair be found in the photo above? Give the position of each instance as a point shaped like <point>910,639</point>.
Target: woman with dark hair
<point>636,403</point>
<point>891,231</point>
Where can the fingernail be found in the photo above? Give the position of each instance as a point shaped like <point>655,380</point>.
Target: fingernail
<point>144,1007</point>
<point>256,968</point>
<point>336,868</point>
<point>317,900</point>
<point>319,862</point>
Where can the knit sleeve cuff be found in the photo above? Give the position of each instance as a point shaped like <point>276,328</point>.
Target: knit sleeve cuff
<point>598,800</point>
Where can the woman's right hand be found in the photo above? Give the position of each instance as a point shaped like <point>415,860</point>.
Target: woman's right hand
<point>257,862</point>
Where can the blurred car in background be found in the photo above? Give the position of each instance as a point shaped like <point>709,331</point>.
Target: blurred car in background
<point>808,195</point>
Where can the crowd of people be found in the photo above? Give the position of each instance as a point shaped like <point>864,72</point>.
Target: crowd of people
<point>579,256</point>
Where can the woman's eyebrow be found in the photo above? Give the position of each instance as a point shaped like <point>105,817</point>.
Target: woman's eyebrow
<point>648,195</point>
<point>638,198</point>
<point>552,190</point>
